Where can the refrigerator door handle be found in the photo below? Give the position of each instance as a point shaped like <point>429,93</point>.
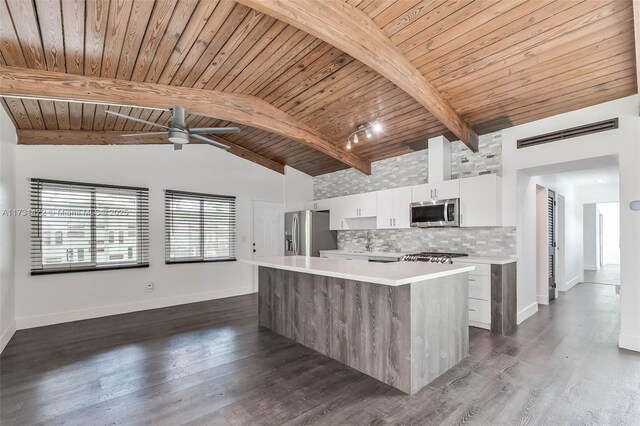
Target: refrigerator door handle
<point>294,234</point>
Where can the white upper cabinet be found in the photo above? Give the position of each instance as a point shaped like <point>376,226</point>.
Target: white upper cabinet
<point>352,211</point>
<point>359,205</point>
<point>401,207</point>
<point>480,201</point>
<point>436,191</point>
<point>319,204</point>
<point>393,208</point>
<point>384,219</point>
<point>336,216</point>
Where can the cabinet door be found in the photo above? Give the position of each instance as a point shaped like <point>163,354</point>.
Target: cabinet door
<point>367,204</point>
<point>319,204</point>
<point>446,189</point>
<point>336,214</point>
<point>350,205</point>
<point>480,201</point>
<point>401,201</point>
<point>385,208</point>
<point>421,192</point>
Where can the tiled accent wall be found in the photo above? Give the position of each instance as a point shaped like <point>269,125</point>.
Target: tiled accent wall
<point>488,159</point>
<point>478,241</point>
<point>411,169</point>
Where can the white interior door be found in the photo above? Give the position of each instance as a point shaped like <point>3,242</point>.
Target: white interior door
<point>268,232</point>
<point>268,229</point>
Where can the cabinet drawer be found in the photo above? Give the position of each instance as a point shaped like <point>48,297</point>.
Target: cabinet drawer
<point>480,287</point>
<point>481,269</point>
<point>479,310</point>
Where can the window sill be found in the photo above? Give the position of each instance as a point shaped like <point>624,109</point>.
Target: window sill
<point>102,268</point>
<point>175,262</point>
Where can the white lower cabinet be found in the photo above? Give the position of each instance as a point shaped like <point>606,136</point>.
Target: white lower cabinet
<point>480,296</point>
<point>480,313</point>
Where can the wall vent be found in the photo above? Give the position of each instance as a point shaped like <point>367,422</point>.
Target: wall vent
<point>573,132</point>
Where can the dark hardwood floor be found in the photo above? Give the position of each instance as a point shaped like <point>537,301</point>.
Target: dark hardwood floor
<point>210,363</point>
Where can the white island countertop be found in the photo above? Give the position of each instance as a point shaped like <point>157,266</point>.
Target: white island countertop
<point>392,274</point>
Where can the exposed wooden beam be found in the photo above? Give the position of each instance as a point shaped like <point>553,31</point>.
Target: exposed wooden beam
<point>636,29</point>
<point>78,137</point>
<point>352,31</point>
<point>242,109</point>
<point>249,155</point>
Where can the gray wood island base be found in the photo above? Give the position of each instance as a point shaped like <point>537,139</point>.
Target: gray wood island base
<point>405,335</point>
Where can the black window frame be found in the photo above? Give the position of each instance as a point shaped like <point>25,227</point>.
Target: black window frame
<point>169,218</point>
<point>36,236</point>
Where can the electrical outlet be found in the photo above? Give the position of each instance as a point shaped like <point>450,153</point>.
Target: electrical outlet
<point>149,286</point>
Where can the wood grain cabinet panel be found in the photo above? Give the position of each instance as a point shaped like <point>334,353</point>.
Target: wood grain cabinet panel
<point>405,336</point>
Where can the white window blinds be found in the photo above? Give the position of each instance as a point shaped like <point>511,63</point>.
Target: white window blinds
<point>199,227</point>
<point>82,227</point>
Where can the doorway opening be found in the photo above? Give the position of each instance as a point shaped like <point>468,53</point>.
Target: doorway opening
<point>576,236</point>
<point>601,226</point>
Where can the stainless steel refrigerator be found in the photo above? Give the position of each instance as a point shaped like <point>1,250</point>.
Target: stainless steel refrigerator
<point>307,232</point>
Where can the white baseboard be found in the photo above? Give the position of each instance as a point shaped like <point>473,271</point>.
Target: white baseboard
<point>527,312</point>
<point>626,341</point>
<point>573,281</point>
<point>591,267</point>
<point>480,325</point>
<point>104,311</point>
<point>542,300</point>
<point>7,335</point>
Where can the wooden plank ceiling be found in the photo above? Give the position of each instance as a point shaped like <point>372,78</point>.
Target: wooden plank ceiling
<point>499,63</point>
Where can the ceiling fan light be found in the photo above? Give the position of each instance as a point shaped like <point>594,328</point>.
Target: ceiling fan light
<point>177,136</point>
<point>368,132</point>
<point>349,144</point>
<point>355,138</point>
<point>377,127</point>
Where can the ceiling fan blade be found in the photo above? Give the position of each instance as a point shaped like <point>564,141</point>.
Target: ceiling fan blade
<point>213,130</point>
<point>144,134</point>
<point>136,119</point>
<point>210,142</point>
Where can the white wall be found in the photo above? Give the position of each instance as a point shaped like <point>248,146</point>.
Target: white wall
<point>622,142</point>
<point>610,232</point>
<point>56,298</point>
<point>590,238</point>
<point>298,189</point>
<point>7,256</point>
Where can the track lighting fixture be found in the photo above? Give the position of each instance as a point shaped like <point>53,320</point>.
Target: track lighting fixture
<point>353,137</point>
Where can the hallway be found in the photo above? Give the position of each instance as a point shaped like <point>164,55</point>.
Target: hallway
<point>608,274</point>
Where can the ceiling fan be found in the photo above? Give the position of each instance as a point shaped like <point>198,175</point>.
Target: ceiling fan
<point>179,133</point>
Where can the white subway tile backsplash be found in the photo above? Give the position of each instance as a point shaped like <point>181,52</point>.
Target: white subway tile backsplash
<point>495,241</point>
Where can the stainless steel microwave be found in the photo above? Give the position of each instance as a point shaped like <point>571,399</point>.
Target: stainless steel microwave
<point>436,213</point>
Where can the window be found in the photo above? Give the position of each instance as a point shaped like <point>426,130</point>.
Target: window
<point>199,227</point>
<point>82,219</point>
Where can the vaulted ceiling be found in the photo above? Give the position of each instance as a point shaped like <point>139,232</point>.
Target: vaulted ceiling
<point>498,63</point>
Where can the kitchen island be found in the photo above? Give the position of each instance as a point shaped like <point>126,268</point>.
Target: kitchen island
<point>403,323</point>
